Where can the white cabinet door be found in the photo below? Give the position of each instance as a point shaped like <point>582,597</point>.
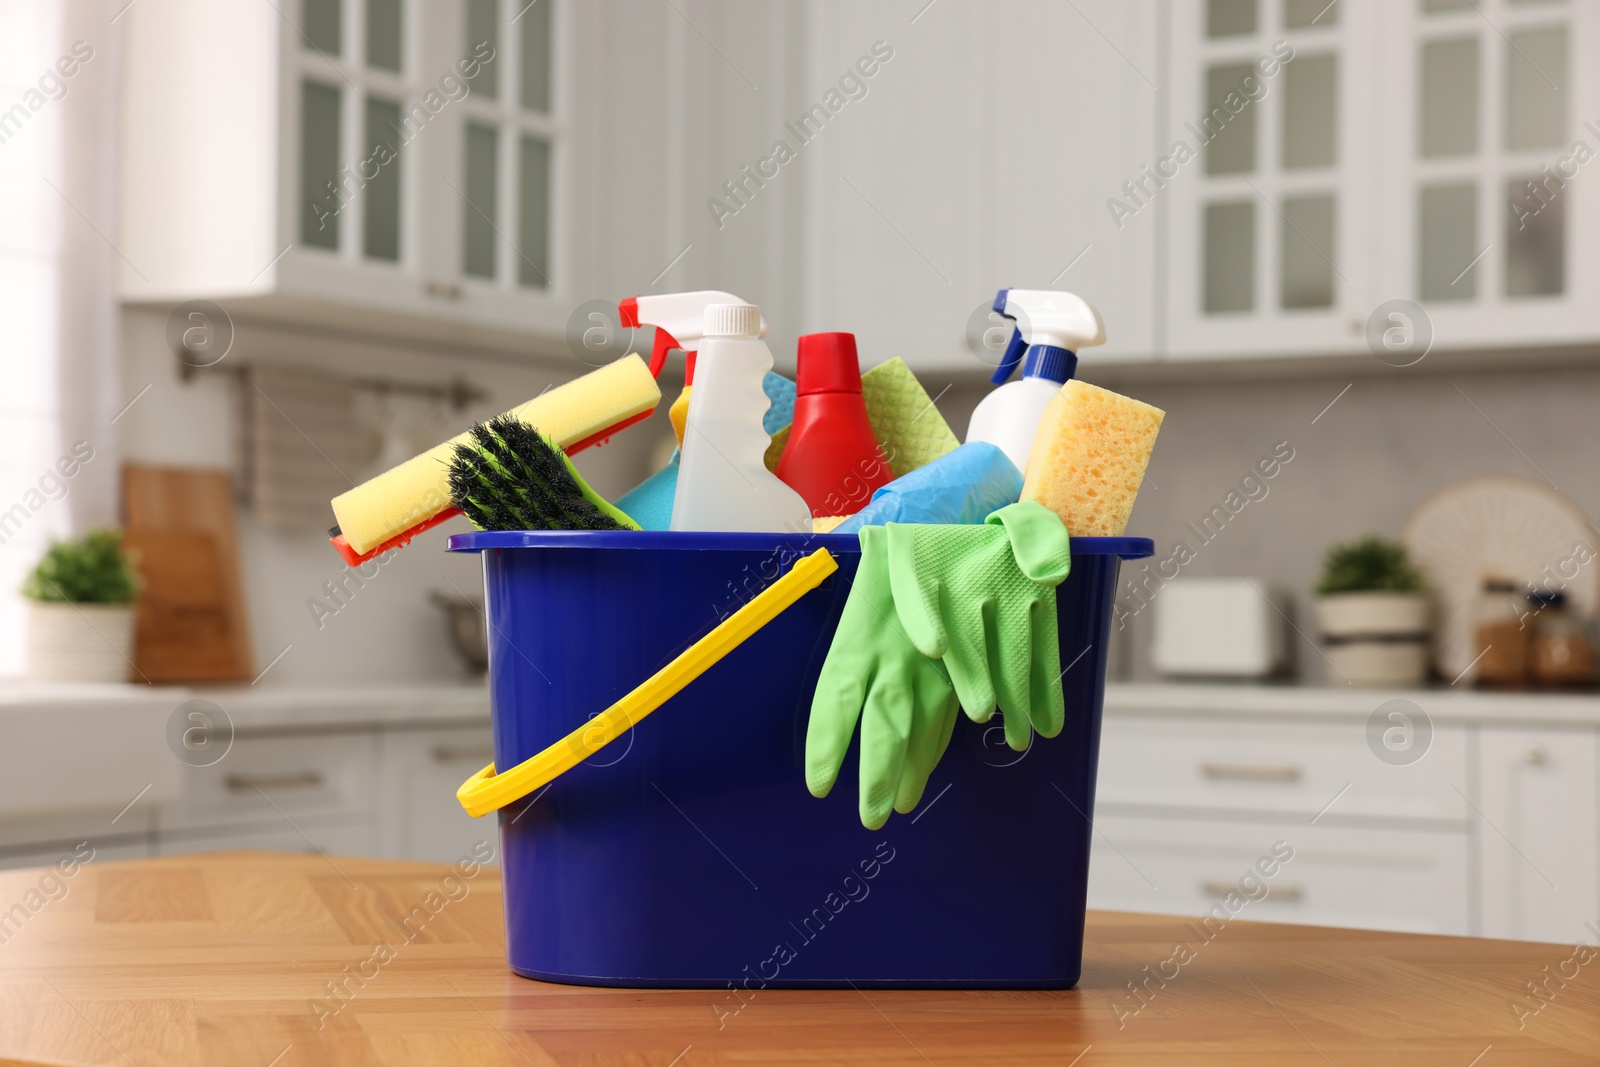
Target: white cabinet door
<point>1377,879</point>
<point>310,160</point>
<point>982,156</point>
<point>1269,159</point>
<point>420,816</point>
<point>1538,833</point>
<point>1483,200</point>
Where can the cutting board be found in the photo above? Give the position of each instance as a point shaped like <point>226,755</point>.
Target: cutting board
<point>190,623</point>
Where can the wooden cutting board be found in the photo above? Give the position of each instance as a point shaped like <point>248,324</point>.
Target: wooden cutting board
<point>190,623</point>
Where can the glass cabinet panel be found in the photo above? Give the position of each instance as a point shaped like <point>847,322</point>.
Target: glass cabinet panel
<point>1232,149</point>
<point>1227,18</point>
<point>1229,240</point>
<point>1307,252</point>
<point>1536,245</point>
<point>1310,112</point>
<point>534,27</point>
<point>1536,103</point>
<point>1447,240</point>
<point>319,164</point>
<point>380,169</point>
<point>320,23</point>
<point>483,26</point>
<point>481,208</point>
<point>384,32</point>
<point>1449,105</point>
<point>1301,13</point>
<point>533,213</point>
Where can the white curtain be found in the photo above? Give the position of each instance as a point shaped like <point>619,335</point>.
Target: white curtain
<point>60,387</point>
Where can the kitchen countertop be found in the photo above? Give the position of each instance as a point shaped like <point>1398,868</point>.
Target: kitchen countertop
<point>1442,704</point>
<point>217,959</point>
<point>272,707</point>
<point>357,705</point>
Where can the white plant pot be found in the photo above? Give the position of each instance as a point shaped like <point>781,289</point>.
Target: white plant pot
<point>79,642</point>
<point>1376,664</point>
<point>1375,639</point>
<point>1372,614</point>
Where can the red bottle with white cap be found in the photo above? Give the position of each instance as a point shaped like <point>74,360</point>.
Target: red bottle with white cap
<point>831,458</point>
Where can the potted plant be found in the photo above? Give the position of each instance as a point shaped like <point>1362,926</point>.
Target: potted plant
<point>1373,608</point>
<point>80,611</point>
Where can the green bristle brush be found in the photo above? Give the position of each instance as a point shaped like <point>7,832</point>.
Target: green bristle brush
<point>512,477</point>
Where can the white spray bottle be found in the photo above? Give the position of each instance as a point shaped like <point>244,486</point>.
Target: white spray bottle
<point>723,481</point>
<point>1055,325</point>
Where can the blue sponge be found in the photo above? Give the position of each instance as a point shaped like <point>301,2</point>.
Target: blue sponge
<point>781,391</point>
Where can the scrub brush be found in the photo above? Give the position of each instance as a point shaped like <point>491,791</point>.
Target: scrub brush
<point>509,476</point>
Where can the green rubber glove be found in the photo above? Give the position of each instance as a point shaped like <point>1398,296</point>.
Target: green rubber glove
<point>904,700</point>
<point>982,600</point>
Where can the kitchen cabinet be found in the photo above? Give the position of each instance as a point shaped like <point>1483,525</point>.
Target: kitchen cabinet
<point>1268,165</point>
<point>1489,827</point>
<point>368,772</point>
<point>464,171</point>
<point>955,175</point>
<point>419,769</point>
<point>371,158</point>
<point>1422,151</point>
<point>1539,835</point>
<point>1480,191</point>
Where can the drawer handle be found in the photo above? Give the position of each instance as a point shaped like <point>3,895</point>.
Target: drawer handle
<point>245,783</point>
<point>1284,894</point>
<point>466,753</point>
<point>1248,772</point>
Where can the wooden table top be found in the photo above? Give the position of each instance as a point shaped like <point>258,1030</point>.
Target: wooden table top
<point>216,959</point>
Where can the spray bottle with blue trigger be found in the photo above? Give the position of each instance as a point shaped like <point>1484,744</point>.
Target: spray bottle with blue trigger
<point>1052,326</point>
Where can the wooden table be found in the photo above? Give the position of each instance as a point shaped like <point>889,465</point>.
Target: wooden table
<point>217,960</point>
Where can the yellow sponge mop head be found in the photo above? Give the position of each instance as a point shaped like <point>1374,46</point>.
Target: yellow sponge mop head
<point>1089,457</point>
<point>418,489</point>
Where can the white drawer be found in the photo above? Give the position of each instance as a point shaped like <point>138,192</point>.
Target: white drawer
<point>332,838</point>
<point>1290,768</point>
<point>1403,880</point>
<point>280,780</point>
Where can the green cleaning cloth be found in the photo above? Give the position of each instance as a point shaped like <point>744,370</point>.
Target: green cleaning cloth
<point>904,420</point>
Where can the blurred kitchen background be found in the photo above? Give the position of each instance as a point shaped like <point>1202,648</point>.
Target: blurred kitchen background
<point>256,252</point>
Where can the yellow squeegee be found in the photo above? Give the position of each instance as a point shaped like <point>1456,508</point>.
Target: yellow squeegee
<point>389,510</point>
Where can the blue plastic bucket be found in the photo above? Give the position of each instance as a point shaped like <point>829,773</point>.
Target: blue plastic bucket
<point>689,852</point>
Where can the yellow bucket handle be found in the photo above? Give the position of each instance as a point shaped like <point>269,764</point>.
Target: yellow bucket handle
<point>488,791</point>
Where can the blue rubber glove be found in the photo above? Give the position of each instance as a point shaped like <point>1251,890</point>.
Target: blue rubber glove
<point>982,601</point>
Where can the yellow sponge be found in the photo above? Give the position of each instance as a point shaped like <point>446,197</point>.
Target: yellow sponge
<point>418,489</point>
<point>1089,457</point>
<point>678,413</point>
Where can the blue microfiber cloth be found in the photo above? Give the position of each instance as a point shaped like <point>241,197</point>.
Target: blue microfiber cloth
<point>650,502</point>
<point>962,486</point>
<point>781,391</point>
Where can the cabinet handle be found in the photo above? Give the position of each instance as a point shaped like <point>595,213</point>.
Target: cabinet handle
<point>1284,894</point>
<point>1536,755</point>
<point>442,290</point>
<point>478,754</point>
<point>246,783</point>
<point>1246,772</point>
